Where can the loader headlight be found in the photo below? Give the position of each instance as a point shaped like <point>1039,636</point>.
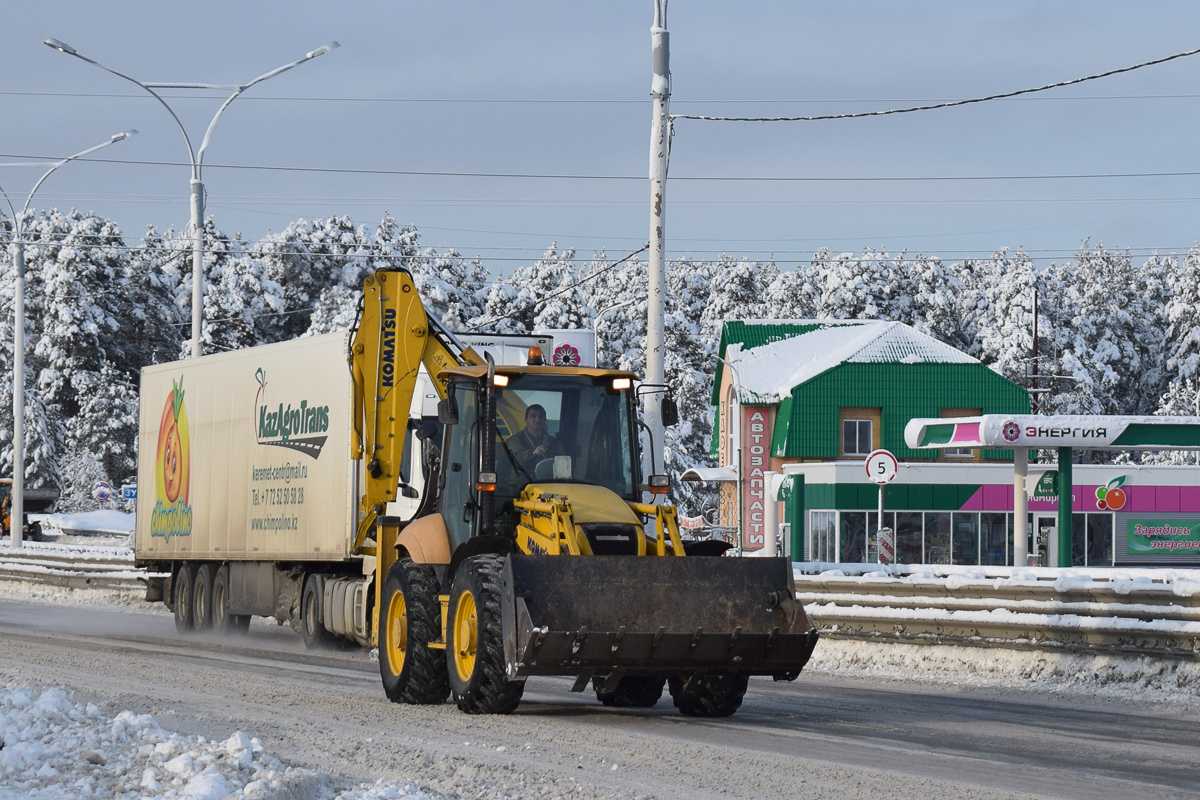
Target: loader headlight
<point>659,484</point>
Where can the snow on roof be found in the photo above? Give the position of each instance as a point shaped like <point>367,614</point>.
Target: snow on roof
<point>767,373</point>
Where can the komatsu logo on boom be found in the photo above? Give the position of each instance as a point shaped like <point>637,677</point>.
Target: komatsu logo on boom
<point>387,351</point>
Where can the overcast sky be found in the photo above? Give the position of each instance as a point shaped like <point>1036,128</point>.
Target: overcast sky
<point>563,89</point>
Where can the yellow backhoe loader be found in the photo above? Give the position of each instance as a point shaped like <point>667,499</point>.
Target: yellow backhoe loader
<point>532,552</point>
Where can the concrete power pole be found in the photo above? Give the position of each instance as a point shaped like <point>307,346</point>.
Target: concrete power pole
<point>660,143</point>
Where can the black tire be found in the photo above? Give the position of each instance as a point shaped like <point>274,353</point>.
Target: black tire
<point>410,617</point>
<point>711,696</point>
<point>312,623</point>
<point>475,642</point>
<point>632,691</point>
<point>202,594</point>
<point>223,621</point>
<point>183,598</point>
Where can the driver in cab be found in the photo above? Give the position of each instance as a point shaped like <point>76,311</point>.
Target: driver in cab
<point>533,445</point>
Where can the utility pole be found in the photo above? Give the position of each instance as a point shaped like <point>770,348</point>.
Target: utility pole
<point>660,146</point>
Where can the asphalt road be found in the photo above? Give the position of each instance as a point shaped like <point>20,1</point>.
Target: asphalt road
<point>817,737</point>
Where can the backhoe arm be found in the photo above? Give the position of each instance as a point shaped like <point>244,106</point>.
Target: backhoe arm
<point>394,336</point>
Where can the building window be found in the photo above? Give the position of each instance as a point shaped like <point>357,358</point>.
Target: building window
<point>856,437</point>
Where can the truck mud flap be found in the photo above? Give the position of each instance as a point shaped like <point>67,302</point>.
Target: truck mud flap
<point>606,615</point>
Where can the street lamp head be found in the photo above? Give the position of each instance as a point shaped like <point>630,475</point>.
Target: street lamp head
<point>117,137</point>
<point>320,51</point>
<point>61,47</point>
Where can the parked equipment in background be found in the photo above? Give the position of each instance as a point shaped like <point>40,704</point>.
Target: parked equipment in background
<point>37,501</point>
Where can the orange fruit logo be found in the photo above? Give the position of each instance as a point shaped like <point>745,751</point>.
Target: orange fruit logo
<point>1111,497</point>
<point>172,474</point>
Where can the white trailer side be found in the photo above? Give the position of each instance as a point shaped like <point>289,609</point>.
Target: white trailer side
<point>245,456</point>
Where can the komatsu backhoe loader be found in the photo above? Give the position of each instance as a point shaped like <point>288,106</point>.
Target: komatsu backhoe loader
<point>547,561</point>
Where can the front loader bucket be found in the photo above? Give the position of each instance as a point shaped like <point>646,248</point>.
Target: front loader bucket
<point>575,615</point>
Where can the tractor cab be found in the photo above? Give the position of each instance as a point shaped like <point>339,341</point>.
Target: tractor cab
<point>517,431</point>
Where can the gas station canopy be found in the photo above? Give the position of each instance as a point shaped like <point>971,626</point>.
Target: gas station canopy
<point>1021,433</point>
<point>1007,431</point>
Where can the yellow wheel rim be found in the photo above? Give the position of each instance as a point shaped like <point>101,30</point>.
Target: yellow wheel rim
<point>466,635</point>
<point>397,632</point>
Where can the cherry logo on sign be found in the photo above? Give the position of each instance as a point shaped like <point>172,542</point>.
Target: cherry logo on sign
<point>567,355</point>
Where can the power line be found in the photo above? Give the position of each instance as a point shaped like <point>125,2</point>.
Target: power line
<point>638,178</point>
<point>592,276</point>
<point>948,104</point>
<point>584,101</point>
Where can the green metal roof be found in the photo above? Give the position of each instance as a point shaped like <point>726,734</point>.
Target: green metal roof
<point>757,334</point>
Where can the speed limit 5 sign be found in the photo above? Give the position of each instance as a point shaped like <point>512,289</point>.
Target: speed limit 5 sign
<point>881,466</point>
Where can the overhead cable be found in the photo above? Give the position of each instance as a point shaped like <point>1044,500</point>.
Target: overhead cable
<point>948,104</point>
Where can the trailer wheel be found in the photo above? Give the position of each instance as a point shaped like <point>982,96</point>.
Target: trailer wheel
<point>411,618</point>
<point>633,691</point>
<point>183,598</point>
<point>475,642</point>
<point>312,623</point>
<point>202,592</point>
<point>223,621</point>
<point>710,696</point>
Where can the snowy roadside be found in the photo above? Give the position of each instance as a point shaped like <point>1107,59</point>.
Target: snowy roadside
<point>54,748</point>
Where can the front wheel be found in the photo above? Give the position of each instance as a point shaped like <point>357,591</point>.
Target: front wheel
<point>475,641</point>
<point>710,696</point>
<point>410,618</point>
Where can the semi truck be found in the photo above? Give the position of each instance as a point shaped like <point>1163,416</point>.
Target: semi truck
<point>275,479</point>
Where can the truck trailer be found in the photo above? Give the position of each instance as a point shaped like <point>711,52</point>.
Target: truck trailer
<point>281,481</point>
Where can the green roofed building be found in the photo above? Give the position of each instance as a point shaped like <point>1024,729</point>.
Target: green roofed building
<point>803,391</point>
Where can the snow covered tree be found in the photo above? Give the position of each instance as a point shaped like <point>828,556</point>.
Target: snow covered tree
<point>83,302</point>
<point>792,294</point>
<point>995,304</point>
<point>1104,331</point>
<point>736,291</point>
<point>1182,345</point>
<point>308,261</point>
<point>689,366</point>
<point>153,331</point>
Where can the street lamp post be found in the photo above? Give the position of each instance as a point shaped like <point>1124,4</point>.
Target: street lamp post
<point>17,509</point>
<point>197,160</point>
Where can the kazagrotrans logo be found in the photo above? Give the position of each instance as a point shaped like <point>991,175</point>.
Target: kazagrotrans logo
<point>1011,431</point>
<point>303,428</point>
<point>567,355</point>
<point>172,515</point>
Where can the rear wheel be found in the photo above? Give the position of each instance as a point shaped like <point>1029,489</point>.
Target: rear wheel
<point>223,621</point>
<point>182,597</point>
<point>475,642</point>
<point>411,618</point>
<point>202,591</point>
<point>632,691</point>
<point>710,696</point>
<point>312,623</point>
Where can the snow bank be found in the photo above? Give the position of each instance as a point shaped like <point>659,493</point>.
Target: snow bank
<point>53,748</point>
<point>115,522</point>
<point>1143,679</point>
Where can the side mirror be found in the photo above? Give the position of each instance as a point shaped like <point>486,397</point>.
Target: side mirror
<point>669,411</point>
<point>409,492</point>
<point>448,410</point>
